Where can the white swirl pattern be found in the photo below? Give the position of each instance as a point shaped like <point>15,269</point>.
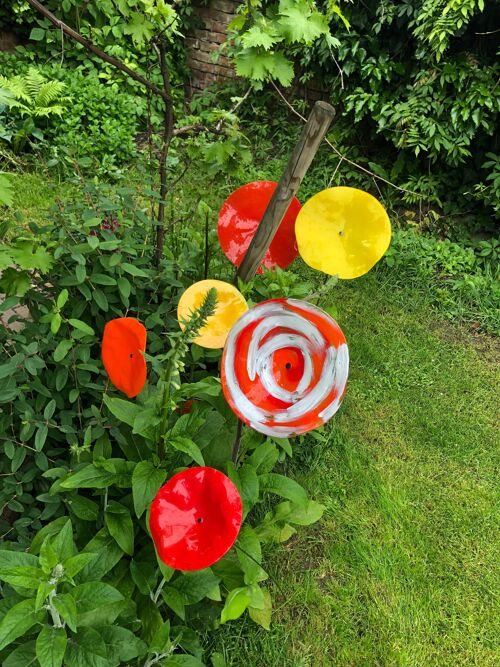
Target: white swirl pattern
<point>286,324</point>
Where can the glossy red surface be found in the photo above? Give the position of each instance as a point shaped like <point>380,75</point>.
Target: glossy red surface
<point>195,518</point>
<point>123,341</point>
<point>240,216</point>
<point>284,367</point>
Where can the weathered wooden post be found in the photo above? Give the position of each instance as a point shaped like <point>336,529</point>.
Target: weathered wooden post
<point>312,135</point>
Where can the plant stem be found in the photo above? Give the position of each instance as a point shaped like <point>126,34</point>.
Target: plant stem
<point>237,441</point>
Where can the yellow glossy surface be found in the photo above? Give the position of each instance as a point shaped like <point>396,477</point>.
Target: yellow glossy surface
<point>343,232</point>
<point>230,306</point>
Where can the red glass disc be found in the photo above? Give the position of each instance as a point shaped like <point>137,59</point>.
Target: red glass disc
<point>285,367</point>
<point>240,216</point>
<point>123,341</point>
<point>195,518</point>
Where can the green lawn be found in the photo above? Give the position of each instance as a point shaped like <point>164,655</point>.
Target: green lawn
<point>401,571</point>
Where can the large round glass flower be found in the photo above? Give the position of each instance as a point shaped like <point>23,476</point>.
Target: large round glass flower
<point>195,518</point>
<point>285,367</point>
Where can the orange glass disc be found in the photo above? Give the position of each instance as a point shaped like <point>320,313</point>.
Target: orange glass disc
<point>123,342</point>
<point>230,306</point>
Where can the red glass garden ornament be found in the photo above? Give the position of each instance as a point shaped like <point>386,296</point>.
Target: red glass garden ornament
<point>195,518</point>
<point>284,367</point>
<point>240,216</point>
<point>123,342</point>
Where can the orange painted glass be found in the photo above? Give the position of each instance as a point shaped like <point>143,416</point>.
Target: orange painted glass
<point>123,342</point>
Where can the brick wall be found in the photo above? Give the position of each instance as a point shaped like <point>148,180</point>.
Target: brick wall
<point>213,19</point>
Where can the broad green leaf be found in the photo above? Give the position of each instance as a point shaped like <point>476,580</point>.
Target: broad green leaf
<point>124,411</point>
<point>81,326</point>
<point>51,528</point>
<point>236,603</point>
<point>249,486</point>
<point>146,480</point>
<point>18,620</point>
<point>102,279</point>
<point>175,601</point>
<point>66,606</point>
<point>122,644</point>
<point>108,553</point>
<point>22,656</point>
<point>84,508</point>
<point>6,190</point>
<point>284,487</point>
<point>63,542</point>
<point>119,523</point>
<point>41,436</point>
<point>27,258</point>
<point>37,34</point>
<point>257,36</point>
<point>17,559</point>
<point>62,349</point>
<point>144,575</point>
<point>23,576</point>
<point>48,556</point>
<point>92,594</point>
<point>260,66</point>
<point>100,299</point>
<point>75,564</point>
<point>89,650</point>
<point>188,447</point>
<point>262,616</point>
<point>51,646</point>
<point>161,641</point>
<point>194,586</point>
<point>250,555</point>
<point>264,457</point>
<point>302,515</point>
<point>135,271</point>
<point>299,23</point>
<point>89,477</point>
<point>41,595</point>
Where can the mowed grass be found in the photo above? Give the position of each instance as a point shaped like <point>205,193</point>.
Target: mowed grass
<point>402,570</point>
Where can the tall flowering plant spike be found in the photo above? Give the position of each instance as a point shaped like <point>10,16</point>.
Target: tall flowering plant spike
<point>195,518</point>
<point>229,306</point>
<point>343,232</point>
<point>123,342</point>
<point>285,367</point>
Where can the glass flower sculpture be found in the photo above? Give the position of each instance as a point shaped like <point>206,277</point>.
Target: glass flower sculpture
<point>285,367</point>
<point>343,232</point>
<point>195,518</point>
<point>240,216</point>
<point>230,306</point>
<point>123,342</point>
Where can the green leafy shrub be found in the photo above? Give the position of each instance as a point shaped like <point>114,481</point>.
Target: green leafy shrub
<point>80,465</point>
<point>101,125</point>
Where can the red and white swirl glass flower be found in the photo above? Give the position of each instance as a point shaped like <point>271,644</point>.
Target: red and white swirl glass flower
<point>285,367</point>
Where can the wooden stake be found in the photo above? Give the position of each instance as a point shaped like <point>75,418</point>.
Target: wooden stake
<point>312,135</point>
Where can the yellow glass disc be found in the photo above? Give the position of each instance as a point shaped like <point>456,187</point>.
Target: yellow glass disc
<point>230,306</point>
<point>343,232</point>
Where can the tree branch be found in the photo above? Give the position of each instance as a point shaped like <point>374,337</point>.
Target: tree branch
<point>88,44</point>
<point>168,130</point>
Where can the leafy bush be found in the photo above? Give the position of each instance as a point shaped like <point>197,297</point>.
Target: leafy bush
<point>80,465</point>
<point>101,125</point>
